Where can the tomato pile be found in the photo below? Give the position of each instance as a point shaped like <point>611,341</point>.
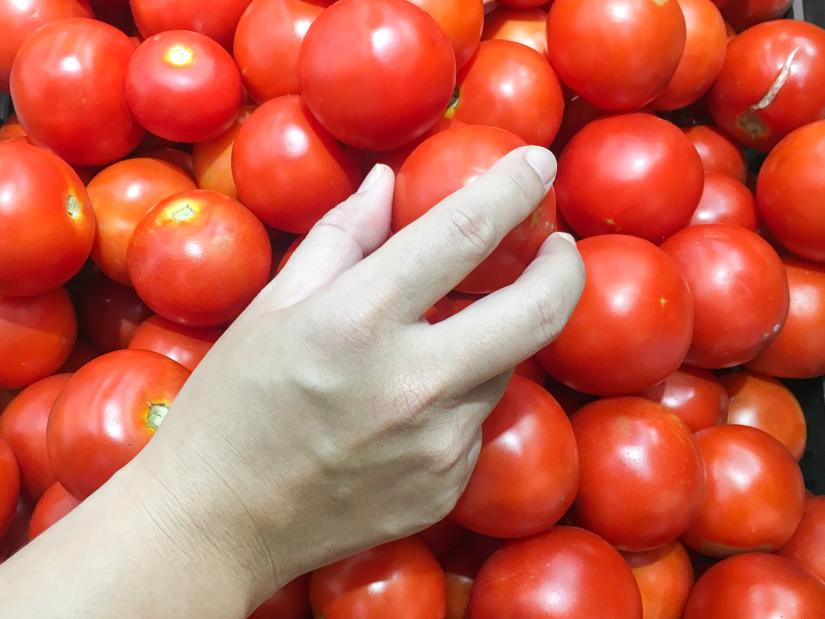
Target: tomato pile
<point>164,158</point>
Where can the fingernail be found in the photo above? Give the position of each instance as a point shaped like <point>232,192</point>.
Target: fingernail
<point>543,162</point>
<point>567,237</point>
<point>371,179</point>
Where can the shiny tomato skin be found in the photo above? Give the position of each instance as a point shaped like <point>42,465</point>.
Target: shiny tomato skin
<point>109,313</point>
<point>397,579</point>
<point>9,487</point>
<point>186,345</point>
<point>289,602</point>
<point>199,258</point>
<point>46,220</point>
<point>756,585</point>
<point>717,152</point>
<point>632,326</point>
<point>36,336</point>
<point>511,86</point>
<point>358,96</point>
<point>565,572</point>
<point>643,178</point>
<point>665,577</point>
<point>461,20</point>
<point>527,431</point>
<point>754,493</point>
<point>212,160</point>
<point>23,427</point>
<point>745,13</point>
<point>525,26</point>
<point>183,86</point>
<point>617,54</point>
<point>106,413</point>
<point>758,103</point>
<point>443,164</point>
<point>121,195</point>
<point>807,544</point>
<point>55,503</point>
<point>725,201</point>
<point>695,396</point>
<point>216,19</point>
<point>80,63</point>
<point>288,170</point>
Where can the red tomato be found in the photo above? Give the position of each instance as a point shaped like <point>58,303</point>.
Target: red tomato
<point>523,3</point>
<point>46,221</point>
<point>566,572</point>
<point>289,602</point>
<point>399,579</point>
<point>288,170</point>
<point>12,130</point>
<point>807,544</point>
<point>443,536</point>
<point>756,585</point>
<point>744,13</point>
<point>393,82</point>
<point>525,26</point>
<point>511,86</point>
<point>81,354</point>
<point>9,487</point>
<point>175,156</point>
<point>765,403</point>
<point>109,313</point>
<point>461,20</point>
<point>121,195</point>
<point>618,54</point>
<point>106,413</point>
<point>643,178</point>
<point>461,567</point>
<point>183,86</point>
<point>80,63</point>
<point>527,431</point>
<point>17,534</point>
<point>186,345</point>
<point>718,153</point>
<point>695,396</point>
<point>446,162</point>
<point>632,326</point>
<point>217,19</point>
<point>55,503</point>
<point>725,201</point>
<point>739,288</point>
<point>531,368</point>
<point>396,158</point>
<point>36,336</point>
<point>23,427</point>
<point>772,82</point>
<point>664,577</point>
<point>790,193</point>
<point>577,113</point>
<point>754,493</point>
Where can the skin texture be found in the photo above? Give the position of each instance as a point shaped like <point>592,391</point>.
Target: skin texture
<point>55,503</point>
<point>288,602</point>
<point>212,160</point>
<point>525,26</point>
<point>109,313</point>
<point>725,201</point>
<point>717,152</point>
<point>218,23</point>
<point>9,487</point>
<point>807,544</point>
<point>461,20</point>
<point>186,345</point>
<point>695,396</point>
<point>664,577</point>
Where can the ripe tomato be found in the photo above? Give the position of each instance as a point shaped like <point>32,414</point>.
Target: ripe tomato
<point>460,569</point>
<point>617,54</point>
<point>643,178</point>
<point>772,82</point>
<point>745,13</point>
<point>739,289</point>
<point>121,195</point>
<point>106,413</point>
<point>175,156</point>
<point>718,153</point>
<point>288,170</point>
<point>725,201</point>
<point>186,345</point>
<point>443,164</point>
<point>565,572</point>
<point>664,577</point>
<point>531,368</point>
<point>632,326</point>
<point>790,193</point>
<point>11,130</point>
<point>46,220</point>
<point>80,63</point>
<point>443,536</point>
<point>754,493</point>
<point>289,602</point>
<point>109,313</point>
<point>527,431</point>
<point>756,585</point>
<point>393,82</point>
<point>23,427</point>
<point>9,487</point>
<point>183,86</point>
<point>695,396</point>
<point>36,336</point>
<point>17,534</point>
<point>511,86</point>
<point>399,579</point>
<point>461,20</point>
<point>577,113</point>
<point>55,503</point>
<point>216,19</point>
<point>807,544</point>
<point>525,26</point>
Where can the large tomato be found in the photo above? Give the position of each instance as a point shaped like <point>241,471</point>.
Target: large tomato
<point>617,54</point>
<point>461,20</point>
<point>725,201</point>
<point>55,503</point>
<point>744,13</point>
<point>23,427</point>
<point>106,413</point>
<point>288,170</point>
<point>393,81</point>
<point>632,326</point>
<point>399,579</point>
<point>9,487</point>
<point>807,544</point>
<point>739,288</point>
<point>36,336</point>
<point>67,85</point>
<point>46,220</point>
<point>718,153</point>
<point>772,82</point>
<point>289,602</point>
<point>664,577</point>
<point>109,313</point>
<point>217,19</point>
<point>566,572</point>
<point>212,160</point>
<point>207,234</point>
<point>186,345</point>
<point>754,493</point>
<point>695,396</point>
<point>511,86</point>
<point>121,195</point>
<point>525,26</point>
<point>643,177</point>
<point>527,431</point>
<point>445,163</point>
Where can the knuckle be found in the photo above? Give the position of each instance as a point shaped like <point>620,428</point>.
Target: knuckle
<point>412,398</point>
<point>551,315</point>
<point>474,228</point>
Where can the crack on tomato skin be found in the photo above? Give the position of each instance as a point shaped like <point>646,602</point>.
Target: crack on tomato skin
<point>156,414</point>
<point>73,207</point>
<point>749,121</point>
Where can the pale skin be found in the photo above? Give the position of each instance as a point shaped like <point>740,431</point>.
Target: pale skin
<point>328,419</point>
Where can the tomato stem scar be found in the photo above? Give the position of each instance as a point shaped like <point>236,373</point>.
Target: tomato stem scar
<point>73,206</point>
<point>156,415</point>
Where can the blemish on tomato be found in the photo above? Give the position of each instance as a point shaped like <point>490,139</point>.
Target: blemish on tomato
<point>156,414</point>
<point>183,213</point>
<point>73,207</point>
<point>660,2</point>
<point>179,55</point>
